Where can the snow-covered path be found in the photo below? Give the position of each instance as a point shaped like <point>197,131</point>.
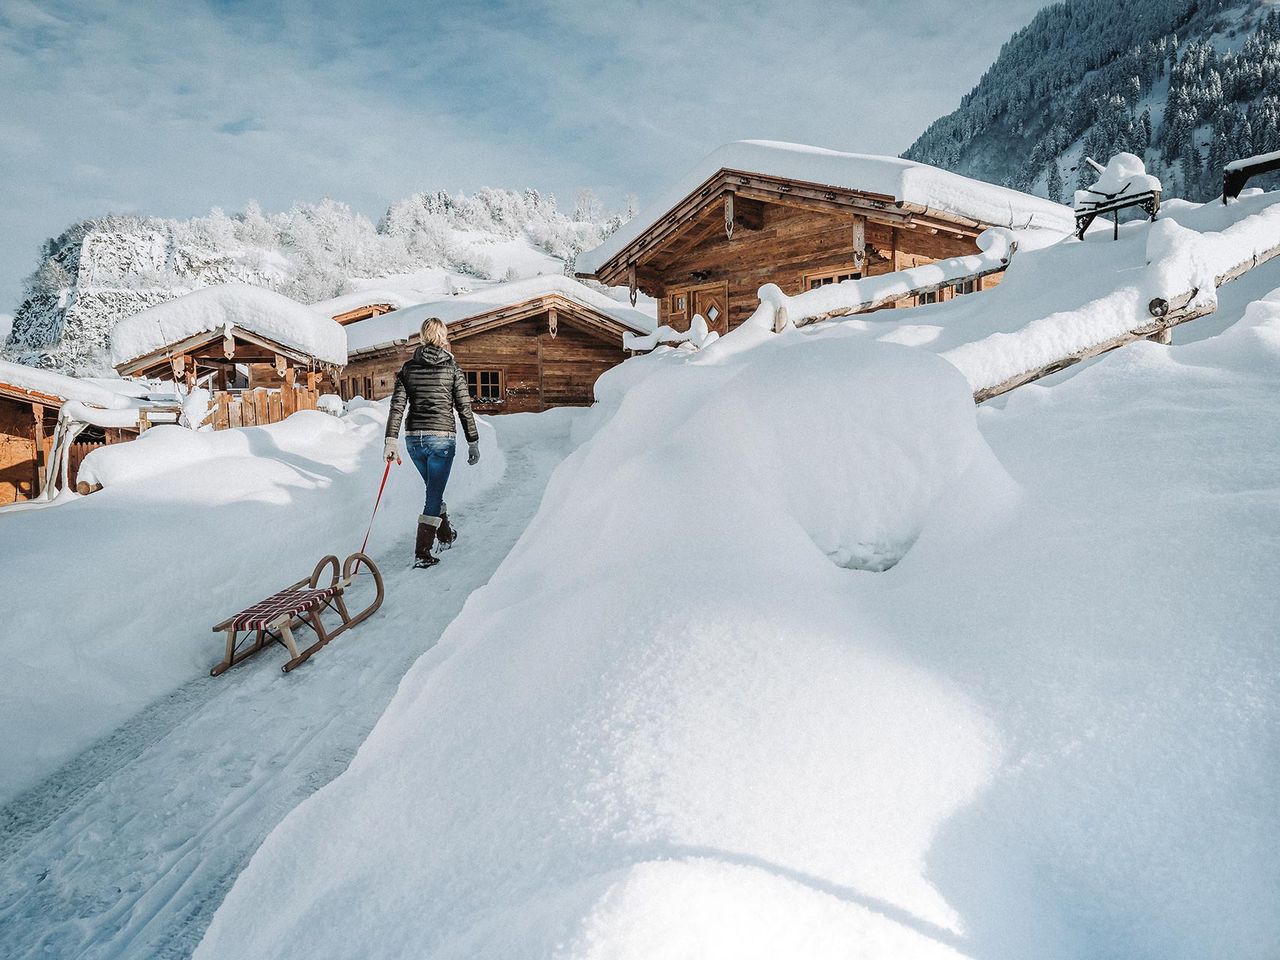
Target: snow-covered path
<point>128,849</point>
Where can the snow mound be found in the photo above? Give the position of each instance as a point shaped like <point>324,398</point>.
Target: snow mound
<point>713,751</point>
<point>226,306</point>
<point>402,324</point>
<point>905,180</point>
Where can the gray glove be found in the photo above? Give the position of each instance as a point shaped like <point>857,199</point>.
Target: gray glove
<point>389,449</point>
<point>473,452</point>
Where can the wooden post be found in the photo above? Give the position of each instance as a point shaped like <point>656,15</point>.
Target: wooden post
<point>859,243</point>
<point>288,395</point>
<point>41,458</point>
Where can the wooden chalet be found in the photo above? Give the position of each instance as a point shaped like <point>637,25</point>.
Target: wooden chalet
<point>526,345</point>
<point>754,213</point>
<point>231,336</point>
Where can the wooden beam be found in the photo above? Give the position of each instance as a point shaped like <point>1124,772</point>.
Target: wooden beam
<point>1144,332</point>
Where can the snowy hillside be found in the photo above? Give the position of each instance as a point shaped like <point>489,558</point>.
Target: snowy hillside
<point>1187,84</point>
<point>924,681</point>
<point>100,271</point>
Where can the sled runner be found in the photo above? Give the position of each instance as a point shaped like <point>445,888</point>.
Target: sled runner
<point>274,619</point>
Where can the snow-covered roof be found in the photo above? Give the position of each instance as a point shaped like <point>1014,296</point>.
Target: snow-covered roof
<point>402,324</point>
<point>228,306</point>
<point>62,387</point>
<point>346,302</point>
<point>905,180</point>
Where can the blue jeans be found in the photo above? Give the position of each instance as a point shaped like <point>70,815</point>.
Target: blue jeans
<point>433,456</point>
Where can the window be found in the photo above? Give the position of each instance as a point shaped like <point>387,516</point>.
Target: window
<point>965,286</point>
<point>931,297</point>
<point>368,388</point>
<point>679,303</point>
<point>485,386</point>
<point>812,281</point>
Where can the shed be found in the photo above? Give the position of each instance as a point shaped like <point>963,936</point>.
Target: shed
<point>525,345</point>
<point>801,217</point>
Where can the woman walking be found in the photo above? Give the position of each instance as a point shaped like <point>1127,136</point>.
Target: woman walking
<point>432,387</point>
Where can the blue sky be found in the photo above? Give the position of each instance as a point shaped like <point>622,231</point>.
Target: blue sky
<point>173,108</point>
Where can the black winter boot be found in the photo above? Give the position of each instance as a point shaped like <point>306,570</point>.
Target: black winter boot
<point>426,539</point>
<point>447,534</point>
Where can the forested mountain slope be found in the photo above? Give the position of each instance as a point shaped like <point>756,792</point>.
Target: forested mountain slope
<point>102,270</point>
<point>1186,84</point>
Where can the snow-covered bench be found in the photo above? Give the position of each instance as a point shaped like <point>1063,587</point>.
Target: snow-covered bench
<point>273,619</point>
<point>1123,183</point>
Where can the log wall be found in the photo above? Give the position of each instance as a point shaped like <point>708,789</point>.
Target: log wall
<point>791,245</point>
<point>19,465</point>
<point>538,370</point>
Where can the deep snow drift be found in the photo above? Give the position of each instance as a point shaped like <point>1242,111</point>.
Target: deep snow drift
<point>676,724</point>
<point>119,590</point>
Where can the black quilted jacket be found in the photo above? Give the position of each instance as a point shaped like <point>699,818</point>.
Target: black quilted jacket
<point>431,386</point>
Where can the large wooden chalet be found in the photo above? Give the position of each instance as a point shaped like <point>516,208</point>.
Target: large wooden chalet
<point>526,345</point>
<point>800,217</point>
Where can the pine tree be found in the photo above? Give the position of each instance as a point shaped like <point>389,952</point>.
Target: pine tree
<point>1054,187</point>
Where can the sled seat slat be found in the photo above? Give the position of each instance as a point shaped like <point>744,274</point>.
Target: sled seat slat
<point>286,603</point>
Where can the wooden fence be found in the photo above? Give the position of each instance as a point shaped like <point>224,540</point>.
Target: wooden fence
<point>260,406</point>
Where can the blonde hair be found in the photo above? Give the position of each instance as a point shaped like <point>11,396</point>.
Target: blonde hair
<point>435,332</point>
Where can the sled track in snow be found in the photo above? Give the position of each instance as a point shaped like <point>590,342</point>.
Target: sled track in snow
<point>129,848</point>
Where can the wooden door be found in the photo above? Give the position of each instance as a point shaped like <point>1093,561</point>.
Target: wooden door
<point>712,303</point>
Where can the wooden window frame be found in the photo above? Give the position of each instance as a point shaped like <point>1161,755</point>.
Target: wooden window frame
<point>822,278</point>
<point>477,373</point>
<point>957,288</point>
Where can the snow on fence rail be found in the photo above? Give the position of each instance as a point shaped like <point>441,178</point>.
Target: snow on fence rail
<point>997,246</point>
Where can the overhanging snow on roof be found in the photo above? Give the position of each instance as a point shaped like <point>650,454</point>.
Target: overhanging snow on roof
<point>915,187</point>
<point>403,324</point>
<point>226,308</point>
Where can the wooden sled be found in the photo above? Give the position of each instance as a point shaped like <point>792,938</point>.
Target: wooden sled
<point>274,619</point>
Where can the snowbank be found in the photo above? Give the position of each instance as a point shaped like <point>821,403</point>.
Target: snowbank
<point>111,597</point>
<point>402,324</point>
<point>226,306</point>
<point>664,728</point>
<point>905,180</point>
<point>1045,732</point>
